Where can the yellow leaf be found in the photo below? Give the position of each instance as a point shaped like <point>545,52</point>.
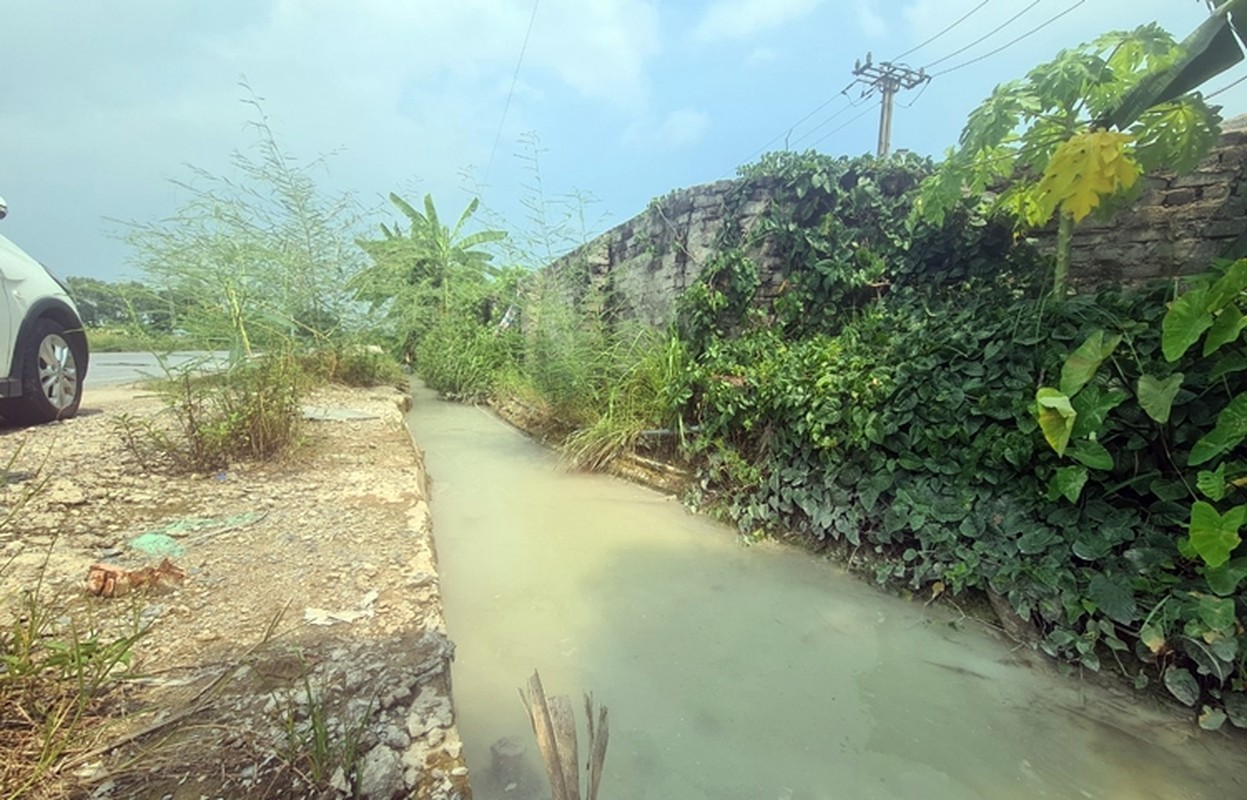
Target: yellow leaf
<point>1082,171</point>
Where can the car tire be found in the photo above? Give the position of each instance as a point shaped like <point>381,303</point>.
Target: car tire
<point>52,371</point>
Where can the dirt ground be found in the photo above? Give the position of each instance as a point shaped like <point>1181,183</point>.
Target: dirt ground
<point>307,634</point>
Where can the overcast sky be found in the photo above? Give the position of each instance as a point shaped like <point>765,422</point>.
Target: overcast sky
<point>102,103</point>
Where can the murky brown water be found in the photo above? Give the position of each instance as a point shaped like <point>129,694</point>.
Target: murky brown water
<point>753,673</point>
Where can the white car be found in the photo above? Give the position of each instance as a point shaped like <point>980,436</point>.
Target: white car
<point>43,349</point>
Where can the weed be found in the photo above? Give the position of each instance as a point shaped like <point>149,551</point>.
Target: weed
<point>58,670</point>
<point>324,748</point>
<point>250,410</point>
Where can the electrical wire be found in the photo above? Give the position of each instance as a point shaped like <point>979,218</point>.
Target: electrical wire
<point>788,131</point>
<point>1011,42</point>
<point>510,92</point>
<point>962,19</point>
<point>985,36</point>
<point>925,85</point>
<point>1225,88</point>
<point>855,118</point>
<point>811,131</point>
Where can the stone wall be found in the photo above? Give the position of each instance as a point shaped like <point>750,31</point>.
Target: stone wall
<point>646,263</point>
<point>1177,226</point>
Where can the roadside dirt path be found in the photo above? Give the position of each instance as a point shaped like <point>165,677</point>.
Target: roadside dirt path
<point>304,654</point>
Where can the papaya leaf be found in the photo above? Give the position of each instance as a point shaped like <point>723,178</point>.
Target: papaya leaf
<point>1228,433</point>
<point>1156,395</point>
<point>1114,595</point>
<point>1211,483</point>
<point>1092,406</point>
<point>1080,367</point>
<point>1092,454</point>
<point>1056,418</point>
<point>1214,536</point>
<point>1067,482</point>
<point>1184,322</point>
<point>1181,684</point>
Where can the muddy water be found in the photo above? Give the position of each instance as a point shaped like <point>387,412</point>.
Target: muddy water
<point>752,673</point>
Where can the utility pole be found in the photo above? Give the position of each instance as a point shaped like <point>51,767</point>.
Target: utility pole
<point>889,79</point>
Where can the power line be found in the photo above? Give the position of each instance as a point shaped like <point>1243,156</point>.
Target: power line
<point>985,36</point>
<point>1225,88</point>
<point>962,19</point>
<point>925,85</point>
<point>1011,42</point>
<point>811,131</point>
<point>788,131</point>
<point>855,118</point>
<point>510,92</point>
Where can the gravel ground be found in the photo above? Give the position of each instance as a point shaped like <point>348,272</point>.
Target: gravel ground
<point>310,604</point>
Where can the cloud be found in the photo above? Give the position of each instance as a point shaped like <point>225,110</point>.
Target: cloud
<point>869,19</point>
<point>679,129</point>
<point>726,20</point>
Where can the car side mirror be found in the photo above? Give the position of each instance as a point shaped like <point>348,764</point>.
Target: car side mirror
<point>4,210</point>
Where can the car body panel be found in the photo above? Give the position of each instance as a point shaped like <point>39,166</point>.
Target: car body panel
<point>27,292</point>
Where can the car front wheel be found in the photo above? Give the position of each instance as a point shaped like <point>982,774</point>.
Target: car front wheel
<point>51,376</point>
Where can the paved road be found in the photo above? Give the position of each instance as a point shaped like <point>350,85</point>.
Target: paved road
<point>116,369</point>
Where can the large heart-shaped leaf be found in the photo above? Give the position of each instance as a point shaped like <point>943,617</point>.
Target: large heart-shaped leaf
<point>1067,482</point>
<point>1228,433</point>
<point>1156,395</point>
<point>1184,322</point>
<point>1224,580</point>
<point>1214,536</point>
<point>1092,454</point>
<point>1217,612</point>
<point>1228,287</point>
<point>1056,418</point>
<point>1080,367</point>
<point>1092,405</point>
<point>1226,328</point>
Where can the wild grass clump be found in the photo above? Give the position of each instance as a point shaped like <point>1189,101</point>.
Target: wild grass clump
<point>354,365</point>
<point>462,359</point>
<point>59,670</point>
<point>249,410</point>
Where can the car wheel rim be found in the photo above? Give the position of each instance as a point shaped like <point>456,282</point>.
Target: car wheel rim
<point>58,372</point>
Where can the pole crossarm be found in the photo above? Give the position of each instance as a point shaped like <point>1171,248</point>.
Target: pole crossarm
<point>888,79</point>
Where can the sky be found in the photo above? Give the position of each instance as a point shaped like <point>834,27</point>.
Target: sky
<point>103,105</point>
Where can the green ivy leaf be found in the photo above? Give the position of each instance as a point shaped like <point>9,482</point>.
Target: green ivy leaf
<point>1156,395</point>
<point>1056,418</point>
<point>1214,536</point>
<point>1211,719</point>
<point>1067,482</point>
<point>1080,367</point>
<point>1236,708</point>
<point>1184,322</point>
<point>1211,484</point>
<point>1227,327</point>
<point>1092,454</point>
<point>1230,430</point>
<point>1224,580</point>
<point>1181,684</point>
<point>1092,405</point>
<point>1115,597</point>
<point>1153,637</point>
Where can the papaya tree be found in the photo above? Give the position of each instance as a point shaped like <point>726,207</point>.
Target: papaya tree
<point>1077,132</point>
